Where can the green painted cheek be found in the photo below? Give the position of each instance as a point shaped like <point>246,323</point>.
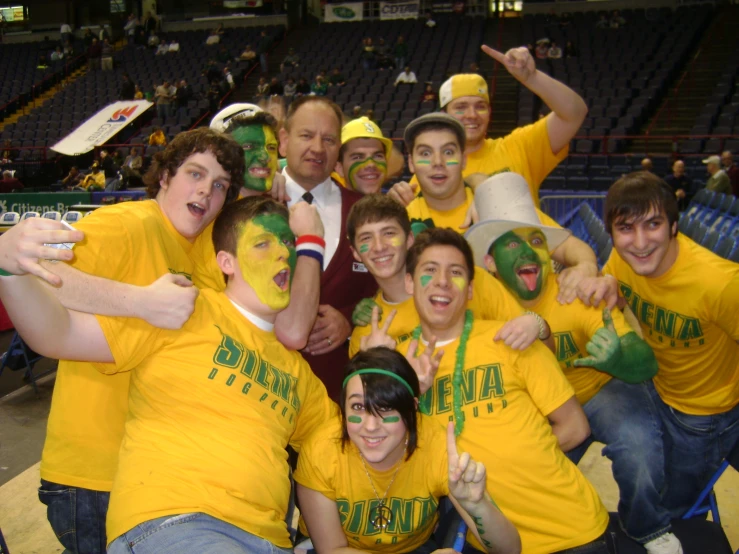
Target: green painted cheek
<point>391,419</point>
<point>354,419</point>
<point>423,162</point>
<point>459,282</point>
<point>425,280</point>
<point>452,162</point>
<point>363,248</point>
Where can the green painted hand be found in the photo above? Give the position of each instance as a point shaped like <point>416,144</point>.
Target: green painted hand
<point>604,348</point>
<point>362,314</point>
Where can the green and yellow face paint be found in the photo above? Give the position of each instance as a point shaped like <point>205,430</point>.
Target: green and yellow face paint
<point>260,155</point>
<point>363,248</point>
<point>424,280</point>
<point>267,258</point>
<point>460,283</point>
<point>368,175</point>
<point>522,261</point>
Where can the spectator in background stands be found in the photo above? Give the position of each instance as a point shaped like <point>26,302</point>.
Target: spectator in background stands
<point>263,87</point>
<point>182,97</point>
<point>263,47</point>
<point>108,166</point>
<point>290,89</point>
<point>57,55</point>
<point>475,68</point>
<point>5,158</point>
<point>370,114</point>
<point>93,55</point>
<point>150,23</point>
<point>571,50</point>
<point>542,49</point>
<point>429,95</point>
<point>406,77</point>
<point>382,53</point>
<point>73,178</point>
<point>718,180</point>
<point>129,29</point>
<point>103,33</point>
<point>106,55</point>
<point>153,40</point>
<point>681,184</point>
<point>128,89</point>
<point>356,112</point>
<point>555,52</point>
<point>214,95</point>
<point>248,55</point>
<point>400,51</point>
<point>429,19</point>
<point>291,61</point>
<point>368,54</point>
<point>337,78</point>
<point>87,37</point>
<point>9,183</point>
<point>616,20</point>
<point>65,32</point>
<point>164,94</point>
<point>223,56</point>
<point>157,138</point>
<point>275,87</point>
<point>602,22</point>
<point>162,49</point>
<point>731,170</point>
<point>303,87</point>
<point>229,78</point>
<point>118,158</point>
<point>7,153</point>
<point>68,49</point>
<point>318,87</point>
<point>138,94</point>
<point>93,181</point>
<point>211,71</point>
<point>646,165</point>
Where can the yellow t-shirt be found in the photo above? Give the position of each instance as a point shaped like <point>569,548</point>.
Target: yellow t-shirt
<point>212,407</point>
<point>572,327</point>
<point>93,180</point>
<point>131,242</point>
<point>413,496</point>
<point>506,397</point>
<point>422,216</point>
<point>526,151</point>
<point>689,318</point>
<point>206,273</point>
<point>490,300</point>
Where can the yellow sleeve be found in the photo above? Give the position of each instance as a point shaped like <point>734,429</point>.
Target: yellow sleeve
<point>107,249</point>
<point>725,307</point>
<point>530,146</point>
<point>355,340</point>
<point>438,466</point>
<point>315,405</point>
<point>492,300</point>
<point>131,341</point>
<point>317,467</point>
<point>547,385</point>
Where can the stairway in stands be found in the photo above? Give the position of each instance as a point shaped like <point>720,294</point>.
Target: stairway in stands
<point>694,86</point>
<point>501,34</point>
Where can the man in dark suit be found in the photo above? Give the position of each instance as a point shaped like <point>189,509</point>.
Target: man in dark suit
<point>310,141</point>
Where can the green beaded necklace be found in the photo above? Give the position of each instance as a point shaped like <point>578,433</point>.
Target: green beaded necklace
<point>458,377</point>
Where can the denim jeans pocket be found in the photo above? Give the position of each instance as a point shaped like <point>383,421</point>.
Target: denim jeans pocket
<point>60,502</point>
<point>696,424</point>
<point>151,527</point>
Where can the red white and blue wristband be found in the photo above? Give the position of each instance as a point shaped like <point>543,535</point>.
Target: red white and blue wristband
<point>312,246</point>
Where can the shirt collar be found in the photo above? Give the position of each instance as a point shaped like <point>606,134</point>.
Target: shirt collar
<point>321,193</point>
<point>256,320</point>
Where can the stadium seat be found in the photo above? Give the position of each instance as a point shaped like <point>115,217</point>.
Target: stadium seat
<point>10,218</point>
<point>72,217</point>
<point>29,215</point>
<point>55,216</point>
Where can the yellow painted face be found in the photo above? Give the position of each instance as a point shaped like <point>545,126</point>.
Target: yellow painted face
<point>266,255</point>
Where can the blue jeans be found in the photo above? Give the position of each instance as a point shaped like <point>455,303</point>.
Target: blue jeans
<point>77,516</point>
<point>196,532</point>
<point>263,62</point>
<point>694,448</point>
<point>598,546</point>
<point>625,419</point>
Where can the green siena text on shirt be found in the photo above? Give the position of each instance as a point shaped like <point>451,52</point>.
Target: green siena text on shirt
<point>677,327</point>
<point>483,383</point>
<point>279,389</point>
<point>410,515</point>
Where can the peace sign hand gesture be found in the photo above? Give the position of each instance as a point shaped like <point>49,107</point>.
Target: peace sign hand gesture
<point>466,476</point>
<point>379,336</point>
<point>426,365</point>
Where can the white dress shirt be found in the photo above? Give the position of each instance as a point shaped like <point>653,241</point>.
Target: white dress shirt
<point>327,200</point>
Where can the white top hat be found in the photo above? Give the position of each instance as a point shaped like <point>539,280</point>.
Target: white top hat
<point>504,203</point>
<point>221,119</point>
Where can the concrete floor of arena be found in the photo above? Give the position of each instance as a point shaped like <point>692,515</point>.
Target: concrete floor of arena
<point>23,417</point>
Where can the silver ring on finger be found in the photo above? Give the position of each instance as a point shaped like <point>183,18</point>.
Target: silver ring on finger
<point>328,340</point>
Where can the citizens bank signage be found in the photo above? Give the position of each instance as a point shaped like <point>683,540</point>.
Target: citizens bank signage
<point>399,10</point>
<point>342,12</point>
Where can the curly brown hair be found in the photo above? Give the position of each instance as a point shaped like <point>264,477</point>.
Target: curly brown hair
<point>226,150</point>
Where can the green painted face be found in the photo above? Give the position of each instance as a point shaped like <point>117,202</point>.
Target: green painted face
<point>522,261</point>
<point>266,249</point>
<point>425,280</point>
<point>260,155</point>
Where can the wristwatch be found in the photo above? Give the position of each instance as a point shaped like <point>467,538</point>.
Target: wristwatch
<point>544,331</point>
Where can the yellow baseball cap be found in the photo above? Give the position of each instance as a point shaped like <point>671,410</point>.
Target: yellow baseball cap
<point>464,84</point>
<point>365,128</point>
